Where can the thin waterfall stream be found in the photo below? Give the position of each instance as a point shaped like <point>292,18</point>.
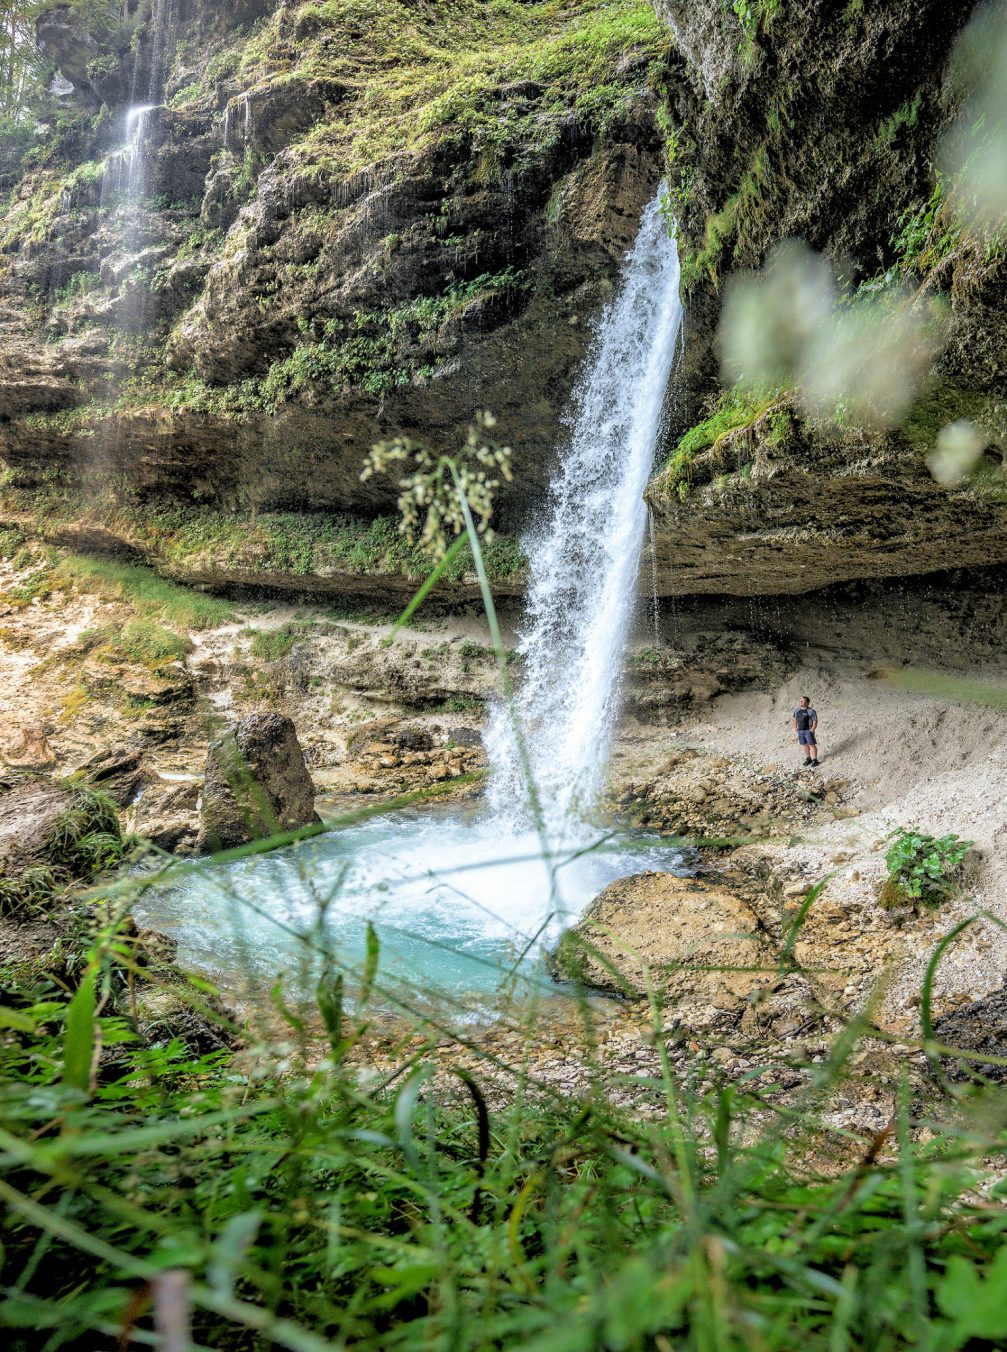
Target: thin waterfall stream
<point>462,898</point>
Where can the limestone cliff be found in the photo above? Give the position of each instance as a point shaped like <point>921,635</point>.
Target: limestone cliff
<point>335,223</point>
<point>824,122</point>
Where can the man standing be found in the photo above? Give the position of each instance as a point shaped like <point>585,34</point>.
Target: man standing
<point>805,723</point>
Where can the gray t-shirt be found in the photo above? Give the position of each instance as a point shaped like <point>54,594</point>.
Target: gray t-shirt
<point>805,718</point>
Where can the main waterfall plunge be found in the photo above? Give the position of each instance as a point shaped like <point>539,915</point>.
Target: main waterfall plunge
<point>585,556</point>
<point>459,900</point>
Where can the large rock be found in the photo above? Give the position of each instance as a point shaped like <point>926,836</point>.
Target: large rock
<point>257,783</point>
<point>833,116</point>
<point>699,944</point>
<point>64,39</point>
<point>787,506</point>
<point>445,276</point>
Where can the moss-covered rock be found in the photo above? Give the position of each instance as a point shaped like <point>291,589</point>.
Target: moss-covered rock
<point>348,231</point>
<point>782,503</point>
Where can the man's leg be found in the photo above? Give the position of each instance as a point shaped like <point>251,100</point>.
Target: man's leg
<point>805,750</point>
<point>813,750</point>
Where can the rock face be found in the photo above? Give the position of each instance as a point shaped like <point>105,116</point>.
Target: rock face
<point>321,258</point>
<point>257,783</point>
<point>695,939</point>
<point>832,113</point>
<point>836,116</point>
<point>785,506</point>
<point>326,255</point>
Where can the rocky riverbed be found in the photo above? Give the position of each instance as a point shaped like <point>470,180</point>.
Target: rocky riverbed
<point>703,752</point>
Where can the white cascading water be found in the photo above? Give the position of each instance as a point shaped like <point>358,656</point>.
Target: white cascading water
<point>462,899</point>
<point>584,560</point>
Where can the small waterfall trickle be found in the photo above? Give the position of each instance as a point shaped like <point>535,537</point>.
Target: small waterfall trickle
<point>585,559</point>
<point>655,599</point>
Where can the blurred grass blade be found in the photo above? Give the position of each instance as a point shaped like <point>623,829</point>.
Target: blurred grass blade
<point>432,580</point>
<point>330,996</point>
<point>79,1035</point>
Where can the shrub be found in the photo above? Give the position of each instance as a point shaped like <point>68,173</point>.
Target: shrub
<point>922,868</point>
<point>78,285</point>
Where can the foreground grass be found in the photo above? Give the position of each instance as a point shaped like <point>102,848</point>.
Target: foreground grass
<point>284,1199</point>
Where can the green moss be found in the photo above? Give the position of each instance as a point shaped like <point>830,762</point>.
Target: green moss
<point>187,94</point>
<point>942,404</point>
<point>421,71</point>
<point>729,225</point>
<point>78,422</point>
<point>150,595</point>
<point>736,408</point>
<point>142,640</point>
<point>903,119</point>
<point>79,284</point>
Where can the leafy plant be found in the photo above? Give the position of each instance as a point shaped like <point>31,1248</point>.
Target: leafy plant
<point>434,494</point>
<point>922,868</point>
<point>78,285</point>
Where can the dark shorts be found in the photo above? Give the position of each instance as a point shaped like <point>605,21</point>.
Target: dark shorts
<point>805,739</point>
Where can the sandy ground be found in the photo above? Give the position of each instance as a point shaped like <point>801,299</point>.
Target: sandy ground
<point>912,760</point>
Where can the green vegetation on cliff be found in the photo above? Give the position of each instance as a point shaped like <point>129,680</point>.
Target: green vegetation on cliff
<point>736,408</point>
<point>409,72</point>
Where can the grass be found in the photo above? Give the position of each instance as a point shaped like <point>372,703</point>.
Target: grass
<point>300,543</point>
<point>269,645</point>
<point>142,640</point>
<point>419,72</point>
<point>152,596</point>
<point>84,840</point>
<point>306,543</point>
<point>319,1206</point>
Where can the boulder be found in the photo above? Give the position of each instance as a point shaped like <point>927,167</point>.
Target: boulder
<point>64,39</point>
<point>167,814</point>
<point>29,749</point>
<point>700,944</point>
<point>118,772</point>
<point>257,783</point>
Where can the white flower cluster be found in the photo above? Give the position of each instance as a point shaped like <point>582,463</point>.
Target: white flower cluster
<point>430,496</point>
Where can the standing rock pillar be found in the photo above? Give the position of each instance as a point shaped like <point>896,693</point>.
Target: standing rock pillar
<point>257,784</point>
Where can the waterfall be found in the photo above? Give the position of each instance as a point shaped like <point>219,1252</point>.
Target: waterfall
<point>655,599</point>
<point>584,560</point>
